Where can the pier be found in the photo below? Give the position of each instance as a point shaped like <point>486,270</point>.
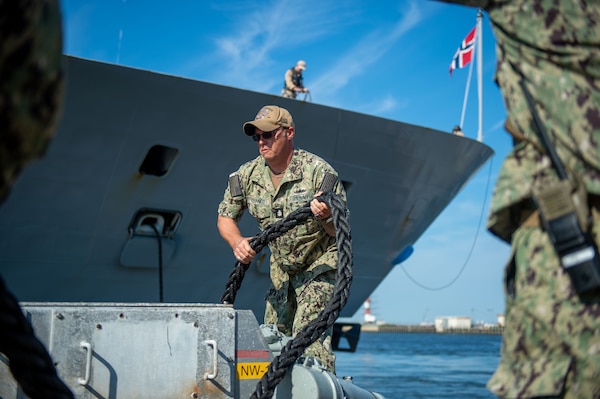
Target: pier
<point>408,328</point>
<point>442,325</point>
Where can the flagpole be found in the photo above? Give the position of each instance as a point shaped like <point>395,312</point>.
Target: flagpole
<point>464,55</point>
<point>479,55</point>
<point>466,97</point>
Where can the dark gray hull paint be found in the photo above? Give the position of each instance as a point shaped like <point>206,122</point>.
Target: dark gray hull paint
<point>65,225</point>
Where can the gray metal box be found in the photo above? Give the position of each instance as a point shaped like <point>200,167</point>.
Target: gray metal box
<point>141,350</point>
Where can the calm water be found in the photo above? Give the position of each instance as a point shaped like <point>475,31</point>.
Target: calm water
<point>418,365</point>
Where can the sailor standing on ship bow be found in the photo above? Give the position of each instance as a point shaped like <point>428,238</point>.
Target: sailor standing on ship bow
<point>293,81</point>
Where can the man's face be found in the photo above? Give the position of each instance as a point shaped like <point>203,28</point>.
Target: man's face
<point>273,145</point>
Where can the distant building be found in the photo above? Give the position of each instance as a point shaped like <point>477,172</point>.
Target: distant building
<point>369,317</point>
<point>500,319</point>
<point>452,322</point>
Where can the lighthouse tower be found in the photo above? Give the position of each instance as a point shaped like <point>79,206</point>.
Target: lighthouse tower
<point>369,318</point>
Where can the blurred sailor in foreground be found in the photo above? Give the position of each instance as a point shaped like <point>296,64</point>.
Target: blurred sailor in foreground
<point>549,51</point>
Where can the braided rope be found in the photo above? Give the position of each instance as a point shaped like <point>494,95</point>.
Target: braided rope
<point>311,332</point>
<point>257,243</point>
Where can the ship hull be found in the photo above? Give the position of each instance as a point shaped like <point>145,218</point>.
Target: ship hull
<point>70,229</point>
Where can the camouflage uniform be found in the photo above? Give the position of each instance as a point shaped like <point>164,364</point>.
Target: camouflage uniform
<point>31,91</point>
<point>303,261</point>
<point>291,80</point>
<point>551,345</point>
<point>31,83</point>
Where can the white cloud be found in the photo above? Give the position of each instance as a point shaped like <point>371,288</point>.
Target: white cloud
<point>260,32</point>
<point>369,50</point>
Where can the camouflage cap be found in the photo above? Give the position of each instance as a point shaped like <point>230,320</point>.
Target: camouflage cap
<point>269,118</point>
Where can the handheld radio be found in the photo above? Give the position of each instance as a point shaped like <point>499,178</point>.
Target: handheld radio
<point>565,215</point>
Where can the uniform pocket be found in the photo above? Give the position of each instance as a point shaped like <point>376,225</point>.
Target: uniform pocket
<point>260,208</point>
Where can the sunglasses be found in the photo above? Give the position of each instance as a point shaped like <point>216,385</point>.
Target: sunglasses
<point>265,135</point>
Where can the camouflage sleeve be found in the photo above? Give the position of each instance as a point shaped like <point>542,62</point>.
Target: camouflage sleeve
<point>554,48</point>
<point>31,83</point>
<point>338,188</point>
<point>289,84</point>
<point>233,203</point>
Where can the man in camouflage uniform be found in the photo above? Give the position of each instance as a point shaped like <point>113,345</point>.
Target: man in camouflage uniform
<point>293,82</point>
<point>31,92</point>
<point>303,266</point>
<point>551,345</point>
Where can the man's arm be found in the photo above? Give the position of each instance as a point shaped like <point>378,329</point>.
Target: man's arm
<point>328,226</point>
<point>289,84</point>
<point>229,230</point>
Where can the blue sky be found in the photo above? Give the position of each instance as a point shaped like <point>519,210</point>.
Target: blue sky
<point>387,58</point>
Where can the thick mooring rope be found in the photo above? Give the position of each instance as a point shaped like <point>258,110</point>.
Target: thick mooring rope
<point>309,334</point>
<point>29,362</point>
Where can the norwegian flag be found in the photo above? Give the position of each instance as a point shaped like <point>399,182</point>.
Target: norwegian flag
<point>464,54</point>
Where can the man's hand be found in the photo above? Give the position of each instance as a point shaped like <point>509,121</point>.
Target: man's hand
<point>242,251</point>
<point>320,209</point>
